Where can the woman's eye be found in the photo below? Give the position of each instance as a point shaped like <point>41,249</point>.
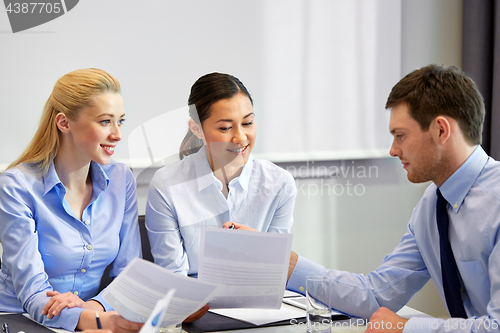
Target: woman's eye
<point>105,122</point>
<point>121,121</point>
<point>248,124</point>
<point>224,128</point>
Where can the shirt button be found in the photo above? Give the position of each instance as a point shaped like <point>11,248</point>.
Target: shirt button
<point>89,247</point>
<point>455,206</point>
<point>83,270</point>
<point>87,222</point>
<point>301,288</point>
<point>75,292</point>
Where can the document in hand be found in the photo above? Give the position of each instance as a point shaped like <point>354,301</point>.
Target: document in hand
<point>136,290</point>
<point>251,266</point>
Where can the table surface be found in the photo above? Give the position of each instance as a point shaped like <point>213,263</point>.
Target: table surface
<point>343,326</point>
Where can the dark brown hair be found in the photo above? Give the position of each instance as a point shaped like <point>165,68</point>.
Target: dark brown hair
<point>207,90</point>
<point>435,90</point>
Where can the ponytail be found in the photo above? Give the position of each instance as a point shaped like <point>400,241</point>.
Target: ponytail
<point>190,145</point>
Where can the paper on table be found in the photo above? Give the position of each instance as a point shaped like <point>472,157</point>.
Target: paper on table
<point>262,316</point>
<point>141,284</point>
<point>289,293</point>
<point>252,266</point>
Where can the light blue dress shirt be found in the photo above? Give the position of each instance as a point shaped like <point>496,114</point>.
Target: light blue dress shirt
<point>186,197</point>
<point>46,247</point>
<point>473,195</point>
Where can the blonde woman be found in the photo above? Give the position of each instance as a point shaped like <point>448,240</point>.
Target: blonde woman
<point>67,211</point>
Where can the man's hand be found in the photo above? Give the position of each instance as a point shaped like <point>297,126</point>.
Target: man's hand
<point>384,320</point>
<point>198,314</point>
<point>237,226</point>
<point>291,266</point>
<point>60,301</point>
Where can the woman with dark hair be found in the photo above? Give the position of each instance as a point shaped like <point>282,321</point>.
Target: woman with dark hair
<point>67,210</point>
<point>217,182</point>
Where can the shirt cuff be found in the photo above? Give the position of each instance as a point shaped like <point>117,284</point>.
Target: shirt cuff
<point>67,319</point>
<point>104,304</point>
<point>303,268</point>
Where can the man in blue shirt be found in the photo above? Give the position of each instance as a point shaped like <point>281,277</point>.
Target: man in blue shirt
<point>436,120</point>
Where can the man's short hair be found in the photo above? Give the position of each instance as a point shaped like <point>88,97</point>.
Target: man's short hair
<point>435,90</point>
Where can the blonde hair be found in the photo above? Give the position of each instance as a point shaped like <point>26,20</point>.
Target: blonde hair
<point>72,92</point>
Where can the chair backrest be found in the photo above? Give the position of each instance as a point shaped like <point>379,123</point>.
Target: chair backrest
<point>146,247</point>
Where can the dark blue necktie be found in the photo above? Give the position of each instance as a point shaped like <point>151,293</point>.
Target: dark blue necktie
<point>451,284</point>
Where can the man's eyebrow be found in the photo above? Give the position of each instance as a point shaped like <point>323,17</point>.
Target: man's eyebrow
<point>394,130</point>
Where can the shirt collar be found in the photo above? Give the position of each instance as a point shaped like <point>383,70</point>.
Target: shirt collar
<point>244,178</point>
<point>456,187</point>
<point>99,179</point>
<point>51,179</point>
<point>205,176</point>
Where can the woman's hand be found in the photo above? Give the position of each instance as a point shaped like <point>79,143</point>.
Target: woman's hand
<point>198,314</point>
<point>237,226</point>
<point>60,301</point>
<point>111,321</point>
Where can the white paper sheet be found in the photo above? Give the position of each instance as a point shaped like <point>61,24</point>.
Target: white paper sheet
<point>262,316</point>
<point>141,284</point>
<point>252,266</point>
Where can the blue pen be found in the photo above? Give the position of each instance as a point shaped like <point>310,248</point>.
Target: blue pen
<point>5,328</point>
<point>98,320</point>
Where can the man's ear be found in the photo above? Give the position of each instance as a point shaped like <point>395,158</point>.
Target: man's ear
<point>62,122</point>
<point>442,129</point>
<point>196,129</point>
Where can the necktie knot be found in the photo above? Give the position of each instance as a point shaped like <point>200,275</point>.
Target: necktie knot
<point>441,201</point>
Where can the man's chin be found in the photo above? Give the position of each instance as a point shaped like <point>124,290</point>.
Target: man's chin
<point>417,179</point>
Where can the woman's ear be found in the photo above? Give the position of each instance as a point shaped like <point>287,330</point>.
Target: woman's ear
<point>196,129</point>
<point>62,122</point>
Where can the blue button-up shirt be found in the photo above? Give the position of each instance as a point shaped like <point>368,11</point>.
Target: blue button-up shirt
<point>185,197</point>
<point>46,247</point>
<point>473,195</point>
